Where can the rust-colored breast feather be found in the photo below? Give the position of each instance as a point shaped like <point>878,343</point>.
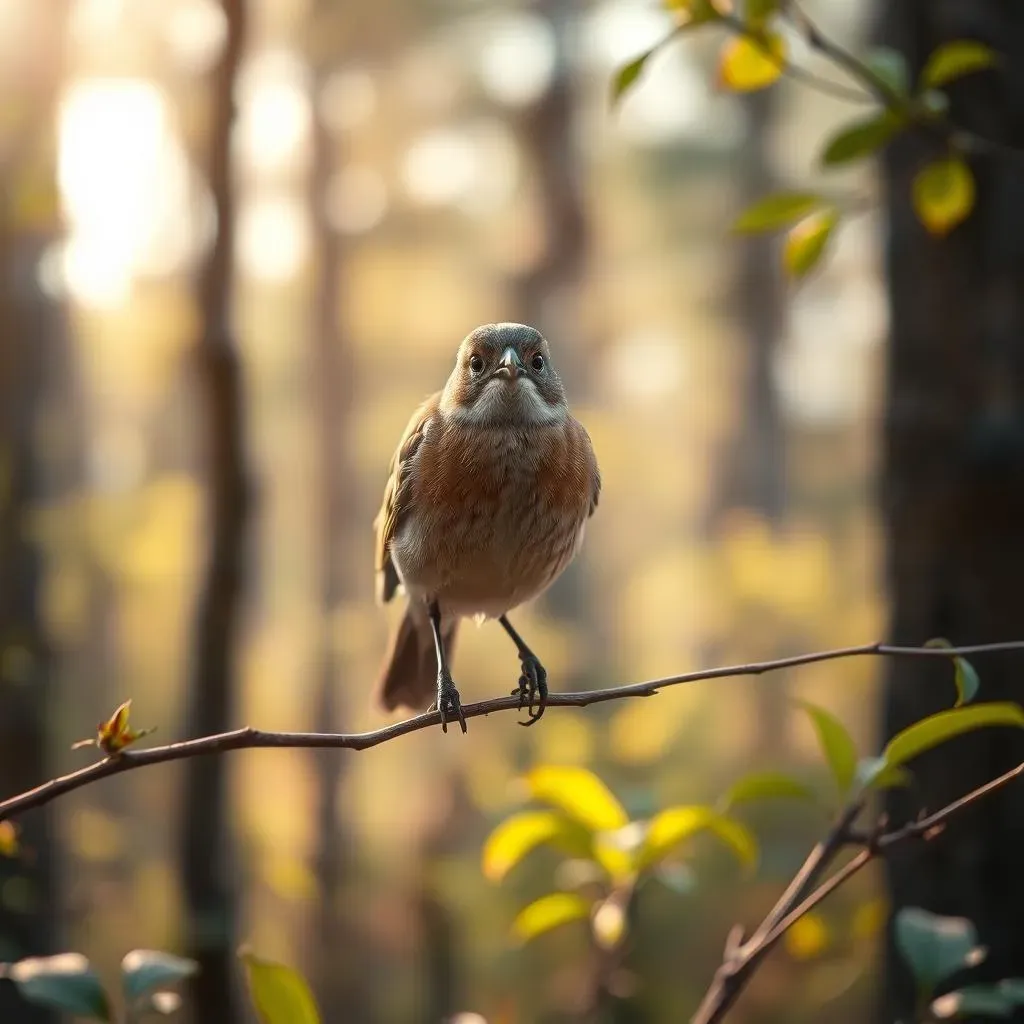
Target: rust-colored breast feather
<point>484,518</point>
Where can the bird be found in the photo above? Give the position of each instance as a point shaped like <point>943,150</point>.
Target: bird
<point>487,501</point>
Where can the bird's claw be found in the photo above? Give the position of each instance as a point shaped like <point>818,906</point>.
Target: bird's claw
<point>533,686</point>
<point>448,703</point>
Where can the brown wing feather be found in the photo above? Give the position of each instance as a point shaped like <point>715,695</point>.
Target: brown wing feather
<point>396,493</point>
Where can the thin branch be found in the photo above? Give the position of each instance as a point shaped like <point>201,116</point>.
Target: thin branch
<point>249,738</point>
<point>929,120</point>
<point>742,959</point>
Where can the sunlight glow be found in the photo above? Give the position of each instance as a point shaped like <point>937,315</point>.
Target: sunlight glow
<point>196,31</point>
<point>125,187</point>
<point>273,237</point>
<point>275,126</point>
<point>515,56</point>
<point>356,200</point>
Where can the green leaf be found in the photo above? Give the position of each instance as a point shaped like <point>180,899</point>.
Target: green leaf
<point>836,744</point>
<point>515,837</point>
<point>776,211</point>
<point>938,728</point>
<point>765,785</point>
<point>859,139</point>
<point>943,194</point>
<point>667,829</point>
<point>549,912</point>
<point>890,67</point>
<point>747,65</point>
<point>280,994</point>
<point>580,794</point>
<point>626,76</point>
<point>965,677</point>
<point>64,982</point>
<point>956,59</point>
<point>935,947</point>
<point>143,970</point>
<point>806,242</point>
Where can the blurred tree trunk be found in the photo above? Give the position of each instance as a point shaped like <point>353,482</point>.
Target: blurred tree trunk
<point>337,979</point>
<point>953,483</point>
<point>546,295</point>
<point>207,854</point>
<point>27,896</point>
<point>753,474</point>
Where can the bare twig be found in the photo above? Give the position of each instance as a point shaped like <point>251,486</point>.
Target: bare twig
<point>249,738</point>
<point>741,961</point>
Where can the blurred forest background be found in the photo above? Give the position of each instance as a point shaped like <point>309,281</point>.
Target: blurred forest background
<point>398,172</point>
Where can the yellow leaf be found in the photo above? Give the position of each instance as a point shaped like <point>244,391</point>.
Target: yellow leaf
<point>549,912</point>
<point>806,242</point>
<point>869,919</point>
<point>807,937</point>
<point>956,59</point>
<point>943,194</point>
<point>580,793</point>
<point>515,837</point>
<point>280,995</point>
<point>8,839</point>
<point>747,64</point>
<point>670,827</point>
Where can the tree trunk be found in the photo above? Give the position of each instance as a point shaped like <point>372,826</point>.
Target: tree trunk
<point>27,909</point>
<point>336,979</point>
<point>207,855</point>
<point>953,484</point>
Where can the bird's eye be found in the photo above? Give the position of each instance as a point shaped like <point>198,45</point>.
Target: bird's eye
<point>537,362</point>
<point>476,364</point>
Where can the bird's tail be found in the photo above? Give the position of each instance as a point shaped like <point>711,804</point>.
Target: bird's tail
<point>408,677</point>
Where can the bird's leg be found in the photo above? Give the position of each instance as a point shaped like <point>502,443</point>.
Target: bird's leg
<point>448,702</point>
<point>533,683</point>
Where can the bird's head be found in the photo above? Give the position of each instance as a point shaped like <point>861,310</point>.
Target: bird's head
<point>504,376</point>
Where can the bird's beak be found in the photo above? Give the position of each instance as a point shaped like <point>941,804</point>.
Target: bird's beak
<point>510,366</point>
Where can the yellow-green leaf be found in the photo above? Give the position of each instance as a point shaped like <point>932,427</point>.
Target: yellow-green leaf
<point>943,194</point>
<point>516,836</point>
<point>757,12</point>
<point>549,912</point>
<point>280,994</point>
<point>965,678</point>
<point>859,139</point>
<point>938,728</point>
<point>626,76</point>
<point>956,59</point>
<point>8,839</point>
<point>667,829</point>
<point>836,744</point>
<point>808,937</point>
<point>580,794</point>
<point>747,65</point>
<point>765,785</point>
<point>776,211</point>
<point>807,240</point>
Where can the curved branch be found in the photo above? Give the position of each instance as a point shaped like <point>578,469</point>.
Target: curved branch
<point>248,738</point>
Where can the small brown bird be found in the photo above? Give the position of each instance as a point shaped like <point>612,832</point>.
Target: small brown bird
<point>486,503</point>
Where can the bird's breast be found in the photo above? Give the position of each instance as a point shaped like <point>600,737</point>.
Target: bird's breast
<point>494,515</point>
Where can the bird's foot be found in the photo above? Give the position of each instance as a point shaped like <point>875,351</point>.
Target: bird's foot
<point>533,688</point>
<point>448,702</point>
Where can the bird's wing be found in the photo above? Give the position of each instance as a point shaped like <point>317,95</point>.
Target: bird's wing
<point>396,498</point>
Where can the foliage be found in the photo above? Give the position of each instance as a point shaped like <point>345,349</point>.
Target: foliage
<point>755,56</point>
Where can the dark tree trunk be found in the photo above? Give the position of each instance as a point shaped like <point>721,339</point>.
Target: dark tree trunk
<point>337,978</point>
<point>953,483</point>
<point>207,855</point>
<point>28,906</point>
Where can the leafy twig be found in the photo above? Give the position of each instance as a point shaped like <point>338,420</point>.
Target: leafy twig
<point>742,959</point>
